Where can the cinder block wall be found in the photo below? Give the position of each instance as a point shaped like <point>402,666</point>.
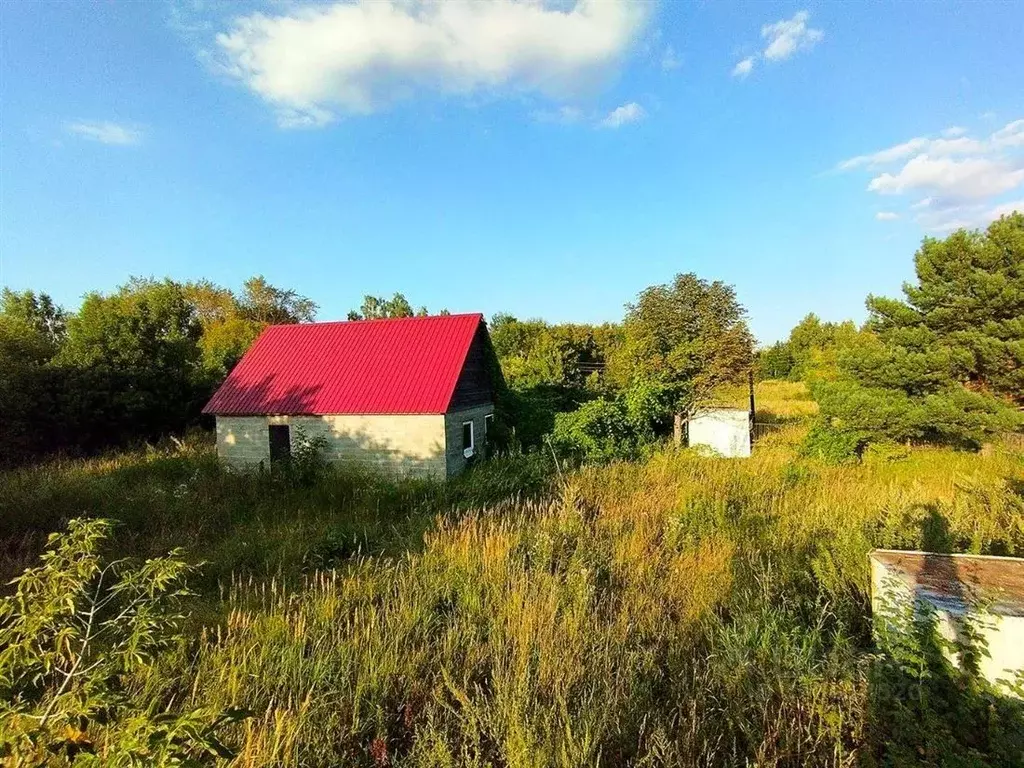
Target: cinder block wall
<point>453,432</point>
<point>412,444</point>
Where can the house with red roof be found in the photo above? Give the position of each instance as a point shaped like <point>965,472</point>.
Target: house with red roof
<point>411,396</point>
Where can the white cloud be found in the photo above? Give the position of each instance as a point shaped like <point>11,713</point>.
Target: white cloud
<point>1011,135</point>
<point>744,67</point>
<point>971,178</point>
<point>784,38</point>
<point>105,132</point>
<point>958,179</point>
<point>887,216</point>
<point>884,156</point>
<point>314,62</point>
<point>788,36</point>
<point>627,113</point>
<point>670,60</point>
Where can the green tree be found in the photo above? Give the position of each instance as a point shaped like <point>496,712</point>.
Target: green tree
<point>945,365</point>
<point>968,300</point>
<point>775,361</point>
<point>228,327</point>
<point>38,312</point>
<point>689,335</point>
<point>812,344</point>
<point>265,303</point>
<point>146,325</point>
<point>133,363</point>
<point>379,308</point>
<point>31,332</point>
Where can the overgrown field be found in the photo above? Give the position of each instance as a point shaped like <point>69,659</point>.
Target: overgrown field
<point>682,611</point>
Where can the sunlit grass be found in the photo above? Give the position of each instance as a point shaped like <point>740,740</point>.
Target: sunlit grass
<point>686,610</point>
<point>774,400</point>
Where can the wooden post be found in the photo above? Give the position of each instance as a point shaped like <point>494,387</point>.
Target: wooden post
<point>677,429</point>
<point>750,380</point>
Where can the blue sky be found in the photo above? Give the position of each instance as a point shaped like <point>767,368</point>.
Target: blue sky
<point>544,159</point>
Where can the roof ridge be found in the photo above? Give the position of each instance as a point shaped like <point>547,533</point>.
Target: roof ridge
<point>376,320</point>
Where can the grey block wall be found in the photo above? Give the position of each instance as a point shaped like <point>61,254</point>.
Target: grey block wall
<point>400,444</point>
<point>453,436</point>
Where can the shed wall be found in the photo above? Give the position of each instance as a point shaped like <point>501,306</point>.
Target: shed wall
<point>453,431</point>
<point>474,387</point>
<point>726,431</point>
<point>404,444</point>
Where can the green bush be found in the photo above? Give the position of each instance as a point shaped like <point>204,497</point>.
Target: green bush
<point>926,710</point>
<point>621,428</point>
<point>832,445</point>
<point>597,431</point>
<point>951,415</point>
<point>72,639</point>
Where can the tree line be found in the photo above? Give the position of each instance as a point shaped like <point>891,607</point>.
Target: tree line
<point>942,365</point>
<point>134,364</point>
<point>945,364</point>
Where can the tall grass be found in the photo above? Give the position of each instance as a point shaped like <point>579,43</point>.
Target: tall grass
<point>683,611</point>
<point>258,523</point>
<point>686,610</point>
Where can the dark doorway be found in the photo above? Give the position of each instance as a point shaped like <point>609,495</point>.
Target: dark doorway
<point>280,442</point>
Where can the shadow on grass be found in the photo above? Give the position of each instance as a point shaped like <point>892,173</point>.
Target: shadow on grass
<point>256,523</point>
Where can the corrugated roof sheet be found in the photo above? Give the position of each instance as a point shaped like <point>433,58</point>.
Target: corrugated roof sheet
<point>406,365</point>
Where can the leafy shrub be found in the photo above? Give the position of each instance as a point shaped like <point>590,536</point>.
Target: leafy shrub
<point>599,431</point>
<point>620,428</point>
<point>308,461</point>
<point>72,637</point>
<point>926,710</point>
<point>951,416</point>
<point>832,445</point>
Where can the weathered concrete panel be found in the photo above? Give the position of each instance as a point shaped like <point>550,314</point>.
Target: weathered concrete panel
<point>954,586</point>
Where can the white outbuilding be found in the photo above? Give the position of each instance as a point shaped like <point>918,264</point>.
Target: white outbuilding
<point>726,431</point>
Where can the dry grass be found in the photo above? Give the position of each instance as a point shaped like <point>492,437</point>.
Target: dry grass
<point>775,401</point>
<point>682,611</point>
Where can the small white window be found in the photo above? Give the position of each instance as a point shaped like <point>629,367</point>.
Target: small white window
<point>467,439</point>
<point>488,419</point>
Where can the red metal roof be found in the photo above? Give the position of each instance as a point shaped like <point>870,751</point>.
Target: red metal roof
<point>406,365</point>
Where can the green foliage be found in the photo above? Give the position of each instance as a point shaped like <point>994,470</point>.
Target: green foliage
<point>599,430</point>
<point>264,303</point>
<point>967,303</point>
<point>37,312</point>
<point>939,367</point>
<point>831,444</point>
<point>690,335</point>
<point>73,637</point>
<point>534,353</point>
<point>378,308</point>
<point>623,427</point>
<point>926,710</point>
<point>855,415</point>
<point>548,369</point>
<point>774,362</point>
<point>809,352</point>
<point>132,365</point>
